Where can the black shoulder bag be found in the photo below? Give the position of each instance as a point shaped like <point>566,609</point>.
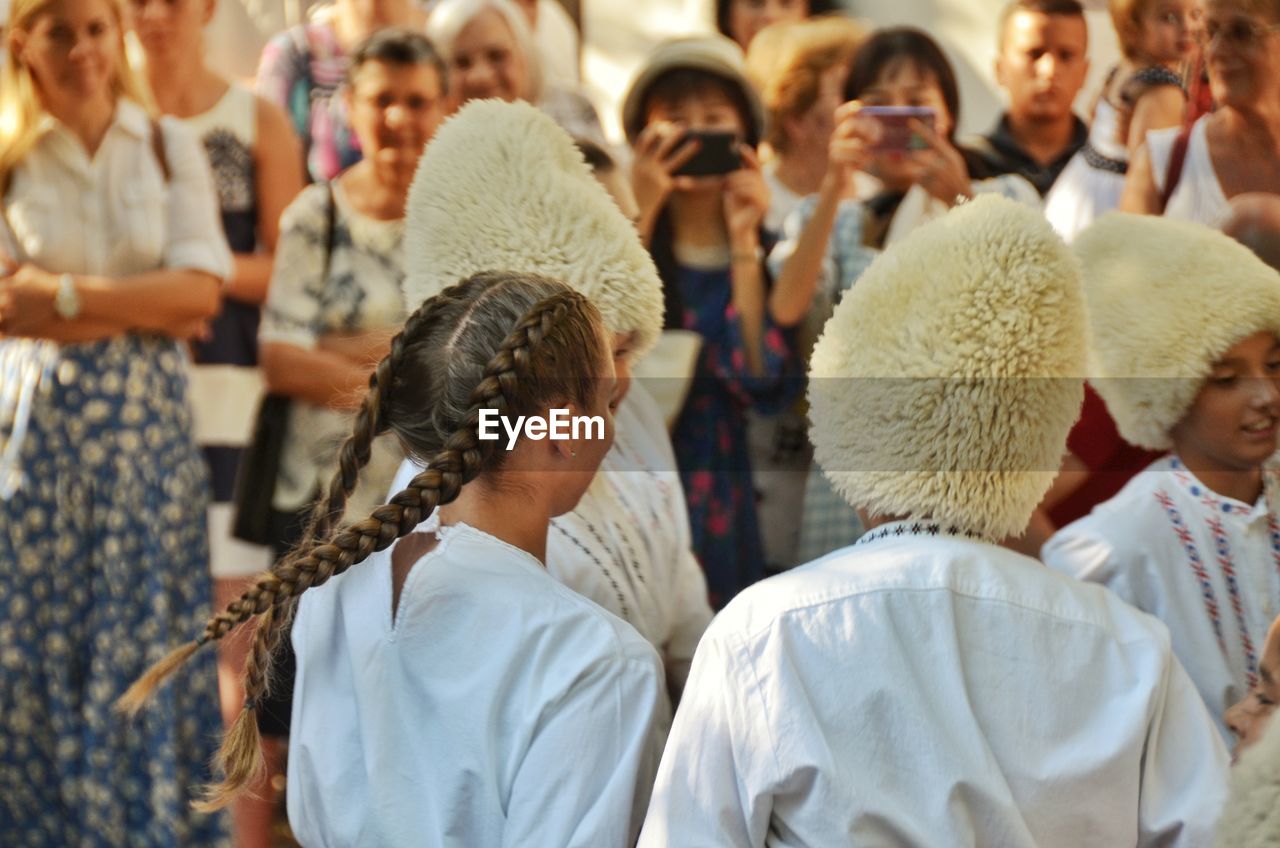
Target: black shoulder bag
<point>260,464</point>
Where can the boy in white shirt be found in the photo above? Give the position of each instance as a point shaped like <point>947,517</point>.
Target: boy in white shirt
<point>926,686</point>
<point>1185,344</point>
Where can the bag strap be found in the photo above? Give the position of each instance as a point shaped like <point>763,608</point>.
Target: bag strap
<point>330,225</point>
<point>157,147</point>
<point>1177,158</point>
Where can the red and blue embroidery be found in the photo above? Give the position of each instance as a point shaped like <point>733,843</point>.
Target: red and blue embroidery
<point>1217,508</point>
<point>1187,540</point>
<point>1223,550</point>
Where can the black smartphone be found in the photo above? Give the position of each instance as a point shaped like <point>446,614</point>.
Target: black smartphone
<point>717,154</point>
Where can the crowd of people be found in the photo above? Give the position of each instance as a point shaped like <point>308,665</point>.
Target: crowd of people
<point>884,569</point>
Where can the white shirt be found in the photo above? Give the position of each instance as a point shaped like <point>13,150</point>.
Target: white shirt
<point>627,544</point>
<point>115,214</point>
<point>782,200</point>
<point>497,708</point>
<point>1163,544</point>
<point>935,691</point>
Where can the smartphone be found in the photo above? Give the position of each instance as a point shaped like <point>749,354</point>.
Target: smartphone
<point>896,134</point>
<point>717,154</point>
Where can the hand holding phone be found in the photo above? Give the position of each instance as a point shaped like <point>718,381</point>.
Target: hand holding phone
<point>717,154</point>
<point>896,132</point>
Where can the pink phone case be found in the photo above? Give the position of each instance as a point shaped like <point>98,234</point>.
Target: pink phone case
<point>895,122</point>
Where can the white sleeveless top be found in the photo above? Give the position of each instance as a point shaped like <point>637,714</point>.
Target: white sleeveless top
<point>1199,196</point>
<point>235,111</point>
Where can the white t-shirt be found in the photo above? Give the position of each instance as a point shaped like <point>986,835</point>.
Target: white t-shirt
<point>1166,544</point>
<point>626,545</point>
<point>498,707</point>
<point>919,689</point>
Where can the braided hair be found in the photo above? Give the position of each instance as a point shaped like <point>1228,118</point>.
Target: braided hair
<point>499,340</point>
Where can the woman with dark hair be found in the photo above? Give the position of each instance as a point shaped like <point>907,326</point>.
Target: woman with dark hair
<point>834,235</point>
<point>303,68</point>
<point>334,298</point>
<point>742,19</point>
<point>705,235</point>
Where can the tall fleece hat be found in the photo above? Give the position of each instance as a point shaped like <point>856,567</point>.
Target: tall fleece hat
<point>502,187</point>
<point>1166,299</point>
<point>944,385</point>
<point>713,54</point>
<point>1251,818</point>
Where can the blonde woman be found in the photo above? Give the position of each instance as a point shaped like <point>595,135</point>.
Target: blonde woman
<point>112,254</point>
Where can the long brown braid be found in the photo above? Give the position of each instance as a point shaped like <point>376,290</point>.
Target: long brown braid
<point>421,399</point>
<point>369,423</point>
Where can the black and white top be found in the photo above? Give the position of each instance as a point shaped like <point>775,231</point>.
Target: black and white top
<point>360,291</point>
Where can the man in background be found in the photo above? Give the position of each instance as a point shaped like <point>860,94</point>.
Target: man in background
<point>1041,64</point>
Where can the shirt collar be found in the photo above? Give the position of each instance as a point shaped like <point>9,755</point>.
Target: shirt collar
<point>1002,139</point>
<point>917,527</point>
<point>129,117</point>
<point>1218,504</point>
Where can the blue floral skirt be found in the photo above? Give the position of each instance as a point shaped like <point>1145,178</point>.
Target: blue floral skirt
<point>103,569</point>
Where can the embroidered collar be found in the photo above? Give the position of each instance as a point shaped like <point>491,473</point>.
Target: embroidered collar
<point>913,527</point>
<point>1212,500</point>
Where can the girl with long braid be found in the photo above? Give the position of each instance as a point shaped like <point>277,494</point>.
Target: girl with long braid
<point>442,690</point>
<point>502,186</point>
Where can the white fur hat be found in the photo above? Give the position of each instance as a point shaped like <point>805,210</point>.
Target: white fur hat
<point>944,385</point>
<point>1251,818</point>
<point>502,187</point>
<point>1166,299</point>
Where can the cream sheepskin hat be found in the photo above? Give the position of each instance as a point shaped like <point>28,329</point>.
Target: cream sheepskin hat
<point>1165,300</point>
<point>1251,818</point>
<point>944,385</point>
<point>502,187</point>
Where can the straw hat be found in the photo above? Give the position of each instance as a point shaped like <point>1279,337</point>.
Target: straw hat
<point>714,54</point>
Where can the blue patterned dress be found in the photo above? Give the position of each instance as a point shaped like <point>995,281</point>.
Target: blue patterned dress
<point>103,549</point>
<point>710,436</point>
<point>104,568</point>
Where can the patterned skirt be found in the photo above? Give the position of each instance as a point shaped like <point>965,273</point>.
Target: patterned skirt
<point>103,569</point>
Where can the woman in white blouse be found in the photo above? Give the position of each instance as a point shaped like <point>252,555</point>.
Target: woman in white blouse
<point>111,255</point>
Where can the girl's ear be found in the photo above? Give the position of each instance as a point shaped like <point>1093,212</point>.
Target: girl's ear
<point>17,42</point>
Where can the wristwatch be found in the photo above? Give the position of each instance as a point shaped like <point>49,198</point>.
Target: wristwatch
<point>66,301</point>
